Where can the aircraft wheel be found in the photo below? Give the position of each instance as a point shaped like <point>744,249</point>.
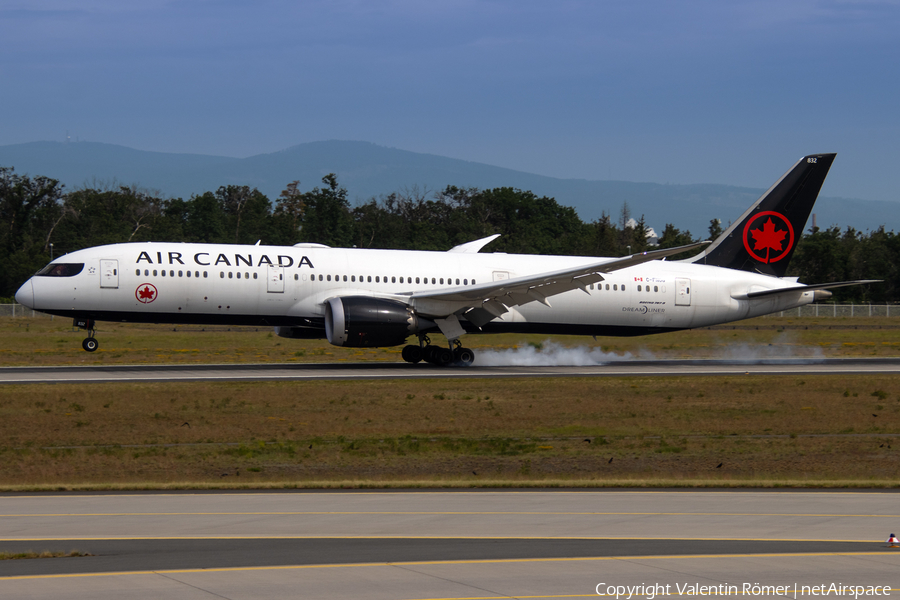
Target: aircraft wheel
<point>464,356</point>
<point>412,354</point>
<point>90,344</point>
<point>443,356</point>
<point>430,354</point>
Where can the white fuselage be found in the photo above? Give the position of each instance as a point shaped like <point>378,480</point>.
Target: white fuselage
<point>275,285</point>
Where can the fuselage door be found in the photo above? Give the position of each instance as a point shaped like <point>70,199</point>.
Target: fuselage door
<point>276,279</point>
<point>682,291</point>
<point>109,274</point>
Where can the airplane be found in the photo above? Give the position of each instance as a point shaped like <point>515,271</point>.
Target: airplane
<point>377,298</point>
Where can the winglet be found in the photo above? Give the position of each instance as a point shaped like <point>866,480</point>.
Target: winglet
<point>474,247</point>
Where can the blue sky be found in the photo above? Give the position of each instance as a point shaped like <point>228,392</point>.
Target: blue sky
<point>678,92</point>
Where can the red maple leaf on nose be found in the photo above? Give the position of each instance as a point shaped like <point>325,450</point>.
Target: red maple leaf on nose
<point>767,238</point>
<point>145,293</point>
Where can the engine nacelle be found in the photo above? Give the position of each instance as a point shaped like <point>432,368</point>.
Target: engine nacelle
<point>364,322</point>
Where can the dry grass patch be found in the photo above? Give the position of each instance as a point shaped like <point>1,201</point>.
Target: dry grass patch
<point>44,554</point>
<point>42,341</point>
<point>473,430</point>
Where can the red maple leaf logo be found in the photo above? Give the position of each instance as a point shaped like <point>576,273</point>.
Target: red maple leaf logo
<point>767,237</point>
<point>777,243</point>
<point>145,293</point>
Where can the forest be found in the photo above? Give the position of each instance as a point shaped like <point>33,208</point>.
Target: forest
<point>39,220</point>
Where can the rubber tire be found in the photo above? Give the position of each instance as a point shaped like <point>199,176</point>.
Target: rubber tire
<point>412,354</point>
<point>443,356</point>
<point>464,356</point>
<point>90,344</point>
<point>429,354</point>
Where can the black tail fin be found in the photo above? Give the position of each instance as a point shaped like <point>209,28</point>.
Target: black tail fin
<point>764,238</point>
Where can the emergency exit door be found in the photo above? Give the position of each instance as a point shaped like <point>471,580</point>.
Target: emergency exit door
<point>109,274</point>
<point>276,279</point>
<point>682,291</point>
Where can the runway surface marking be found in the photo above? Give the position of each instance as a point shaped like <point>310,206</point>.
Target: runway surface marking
<point>384,371</point>
<point>449,512</point>
<point>449,562</point>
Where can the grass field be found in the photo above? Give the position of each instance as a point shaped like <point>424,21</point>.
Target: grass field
<point>749,430</point>
<point>42,341</point>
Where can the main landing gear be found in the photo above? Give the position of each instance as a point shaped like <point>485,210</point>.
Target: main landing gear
<point>90,343</point>
<point>438,355</point>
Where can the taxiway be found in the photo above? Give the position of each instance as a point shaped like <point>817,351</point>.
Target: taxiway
<point>442,544</point>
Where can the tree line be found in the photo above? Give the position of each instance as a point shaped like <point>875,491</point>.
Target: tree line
<point>39,218</point>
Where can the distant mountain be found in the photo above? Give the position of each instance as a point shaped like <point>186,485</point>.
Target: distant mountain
<point>368,170</point>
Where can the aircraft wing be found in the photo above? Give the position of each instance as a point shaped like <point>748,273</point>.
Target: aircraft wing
<point>483,302</point>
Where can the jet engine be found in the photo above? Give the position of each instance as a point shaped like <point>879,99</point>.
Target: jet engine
<point>364,322</point>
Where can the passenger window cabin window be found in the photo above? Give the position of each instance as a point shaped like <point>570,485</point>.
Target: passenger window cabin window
<point>655,288</point>
<point>230,275</point>
<point>442,281</point>
<point>222,274</point>
<point>616,287</point>
<point>296,276</point>
<point>205,274</point>
<point>239,275</point>
<point>247,276</point>
<point>196,273</point>
<point>465,282</point>
<point>393,280</point>
<point>172,273</point>
<point>457,282</point>
<point>328,278</point>
<point>607,287</point>
<point>353,278</point>
<point>163,272</point>
<point>377,279</point>
<point>417,280</point>
<point>188,273</point>
<point>137,272</point>
<point>639,288</point>
<point>370,279</point>
<point>345,278</point>
<point>181,273</point>
<point>432,281</point>
<point>623,287</point>
<point>401,280</point>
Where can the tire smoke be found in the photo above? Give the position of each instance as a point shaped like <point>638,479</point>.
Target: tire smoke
<point>548,354</point>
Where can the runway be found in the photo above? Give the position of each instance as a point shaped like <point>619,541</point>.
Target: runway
<point>383,370</point>
<point>443,544</point>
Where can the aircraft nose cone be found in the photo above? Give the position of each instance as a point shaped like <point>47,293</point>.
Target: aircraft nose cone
<point>25,295</point>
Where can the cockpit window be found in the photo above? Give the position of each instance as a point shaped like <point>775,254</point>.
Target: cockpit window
<point>61,270</point>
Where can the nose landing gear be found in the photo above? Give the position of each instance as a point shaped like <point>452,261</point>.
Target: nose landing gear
<point>90,343</point>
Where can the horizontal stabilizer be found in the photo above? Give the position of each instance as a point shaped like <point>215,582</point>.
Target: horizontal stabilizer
<point>804,288</point>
